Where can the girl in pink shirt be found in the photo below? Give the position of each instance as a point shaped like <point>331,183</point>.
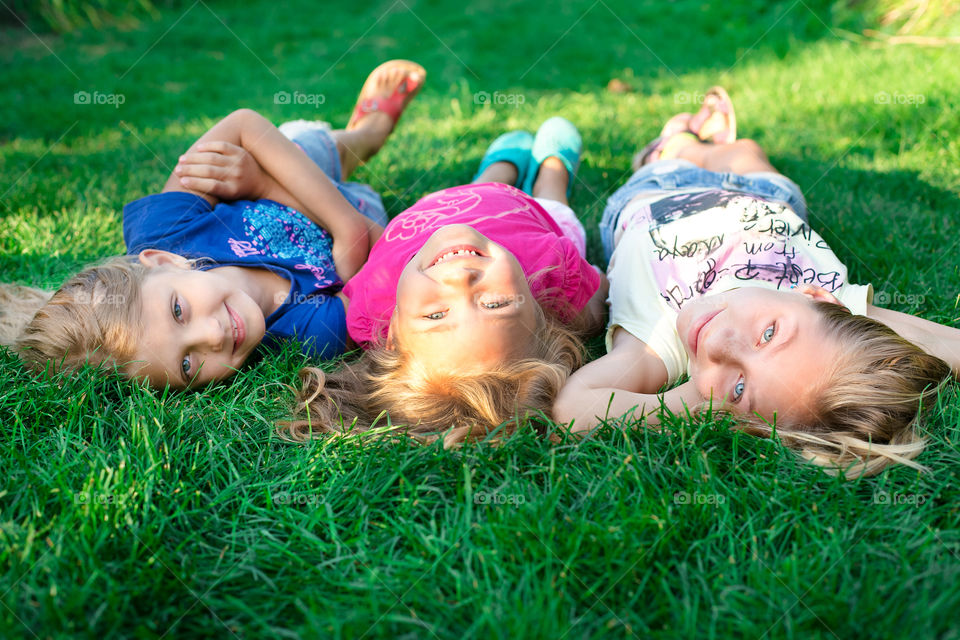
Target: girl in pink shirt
<point>470,304</point>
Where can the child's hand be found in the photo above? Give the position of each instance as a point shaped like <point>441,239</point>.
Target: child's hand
<point>223,170</point>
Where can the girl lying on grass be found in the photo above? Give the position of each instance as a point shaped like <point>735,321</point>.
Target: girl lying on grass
<point>469,305</point>
<point>249,242</point>
<point>716,273</point>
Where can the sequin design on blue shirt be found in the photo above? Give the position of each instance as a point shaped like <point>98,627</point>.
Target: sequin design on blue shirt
<point>281,232</point>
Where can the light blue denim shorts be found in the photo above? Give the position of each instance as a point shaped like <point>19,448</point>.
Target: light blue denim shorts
<point>667,177</point>
<point>315,139</point>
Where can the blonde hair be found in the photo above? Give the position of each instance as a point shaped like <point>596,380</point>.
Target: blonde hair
<point>91,319</point>
<point>18,305</point>
<point>387,385</point>
<point>866,413</point>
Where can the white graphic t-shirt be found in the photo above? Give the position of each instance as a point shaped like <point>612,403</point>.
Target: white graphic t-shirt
<point>694,244</point>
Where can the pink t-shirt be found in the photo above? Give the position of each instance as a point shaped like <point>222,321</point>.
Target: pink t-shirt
<point>502,213</point>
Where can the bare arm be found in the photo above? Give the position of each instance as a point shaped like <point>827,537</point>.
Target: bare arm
<point>299,177</point>
<point>936,339</point>
<point>623,382</point>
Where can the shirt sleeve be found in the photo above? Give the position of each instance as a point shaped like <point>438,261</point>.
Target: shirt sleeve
<point>317,322</point>
<point>636,306</point>
<point>147,221</point>
<point>571,284</point>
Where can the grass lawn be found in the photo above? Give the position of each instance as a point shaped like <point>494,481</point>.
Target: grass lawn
<point>126,512</point>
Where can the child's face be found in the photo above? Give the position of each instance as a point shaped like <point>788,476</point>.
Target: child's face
<point>762,351</point>
<point>457,312</point>
<point>197,327</point>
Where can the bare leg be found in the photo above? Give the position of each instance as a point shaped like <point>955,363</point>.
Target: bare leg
<point>359,145</point>
<point>504,172</point>
<point>742,156</point>
<point>366,133</point>
<point>552,181</point>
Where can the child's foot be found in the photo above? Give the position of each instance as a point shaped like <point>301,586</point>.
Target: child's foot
<point>506,159</point>
<point>674,136</point>
<point>386,93</point>
<point>557,138</point>
<point>716,121</point>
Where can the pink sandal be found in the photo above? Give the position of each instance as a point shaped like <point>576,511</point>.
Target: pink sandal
<point>716,121</point>
<point>675,126</point>
<point>394,104</point>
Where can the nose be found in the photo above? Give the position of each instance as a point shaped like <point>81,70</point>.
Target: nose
<point>722,346</point>
<point>456,275</point>
<point>208,333</point>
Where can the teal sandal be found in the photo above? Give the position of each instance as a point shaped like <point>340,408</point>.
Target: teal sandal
<point>557,137</point>
<point>513,147</point>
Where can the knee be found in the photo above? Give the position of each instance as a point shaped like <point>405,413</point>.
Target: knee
<point>748,145</point>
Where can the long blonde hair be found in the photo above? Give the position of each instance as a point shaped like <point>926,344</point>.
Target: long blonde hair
<point>866,413</point>
<point>92,318</point>
<point>386,388</point>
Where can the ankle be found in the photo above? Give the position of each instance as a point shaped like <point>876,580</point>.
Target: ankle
<point>503,172</point>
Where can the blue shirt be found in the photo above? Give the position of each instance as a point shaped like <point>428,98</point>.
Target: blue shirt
<point>259,233</point>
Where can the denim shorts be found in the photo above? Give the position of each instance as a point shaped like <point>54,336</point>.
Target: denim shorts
<point>667,177</point>
<point>315,139</point>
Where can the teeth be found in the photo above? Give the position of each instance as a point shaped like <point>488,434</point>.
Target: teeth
<point>453,254</point>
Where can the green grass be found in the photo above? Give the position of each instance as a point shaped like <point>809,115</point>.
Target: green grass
<point>126,512</point>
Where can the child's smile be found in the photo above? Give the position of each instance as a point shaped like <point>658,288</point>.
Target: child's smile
<point>463,301</point>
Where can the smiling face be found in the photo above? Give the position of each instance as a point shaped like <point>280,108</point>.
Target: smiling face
<point>463,303</point>
<point>762,351</point>
<point>196,327</point>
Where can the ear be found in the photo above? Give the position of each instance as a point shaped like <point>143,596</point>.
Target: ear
<point>391,343</point>
<point>157,258</point>
<point>818,294</point>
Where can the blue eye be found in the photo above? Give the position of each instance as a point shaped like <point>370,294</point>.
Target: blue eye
<point>185,366</point>
<point>437,315</point>
<point>495,305</point>
<point>738,389</point>
<point>768,334</point>
<point>177,311</point>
